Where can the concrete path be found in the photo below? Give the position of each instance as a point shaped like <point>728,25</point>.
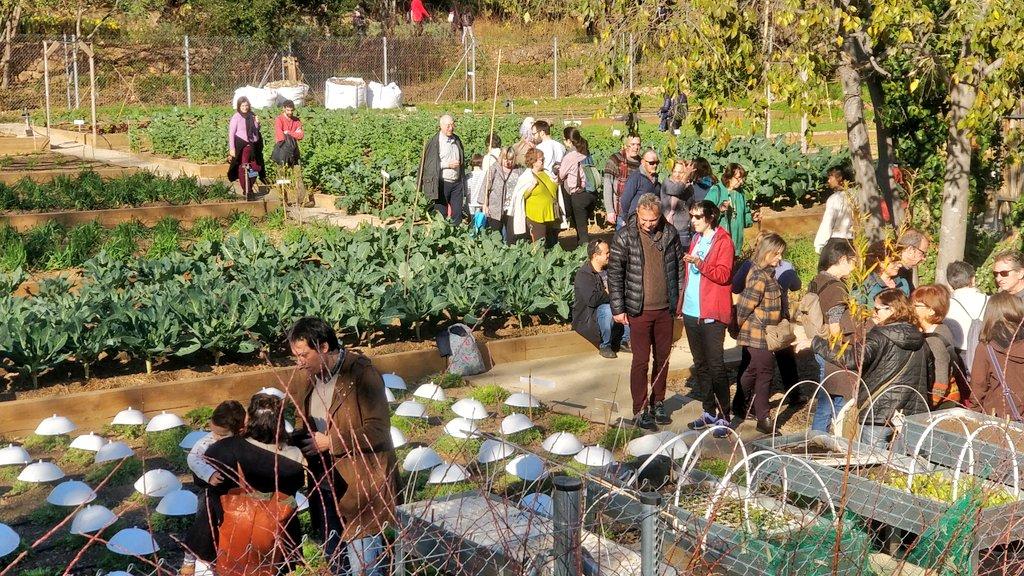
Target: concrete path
<point>597,388</point>
<point>62,145</point>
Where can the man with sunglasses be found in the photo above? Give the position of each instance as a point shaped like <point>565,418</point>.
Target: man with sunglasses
<point>1008,270</point>
<point>640,182</point>
<point>914,246</point>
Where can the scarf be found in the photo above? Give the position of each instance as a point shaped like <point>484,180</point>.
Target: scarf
<point>251,132</point>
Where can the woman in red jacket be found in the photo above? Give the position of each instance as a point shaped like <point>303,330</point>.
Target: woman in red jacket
<point>706,310</point>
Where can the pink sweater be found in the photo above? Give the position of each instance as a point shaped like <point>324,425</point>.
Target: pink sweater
<point>237,128</point>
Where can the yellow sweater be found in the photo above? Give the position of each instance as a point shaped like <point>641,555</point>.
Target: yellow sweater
<point>540,201</point>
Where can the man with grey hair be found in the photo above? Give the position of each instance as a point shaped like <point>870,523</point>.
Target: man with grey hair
<point>967,303</point>
<point>640,182</point>
<point>442,171</point>
<point>913,245</point>
<point>644,278</point>
<point>1008,268</point>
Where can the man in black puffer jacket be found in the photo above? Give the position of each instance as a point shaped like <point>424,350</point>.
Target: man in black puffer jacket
<point>644,279</point>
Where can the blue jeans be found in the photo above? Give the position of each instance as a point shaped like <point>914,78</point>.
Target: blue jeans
<point>364,555</point>
<point>609,327</point>
<point>823,411</point>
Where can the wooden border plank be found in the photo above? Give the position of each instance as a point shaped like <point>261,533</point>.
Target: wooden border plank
<point>147,215</point>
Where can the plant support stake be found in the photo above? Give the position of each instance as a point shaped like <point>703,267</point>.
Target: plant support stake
<point>556,66</point>
<point>384,42</point>
<point>188,76</point>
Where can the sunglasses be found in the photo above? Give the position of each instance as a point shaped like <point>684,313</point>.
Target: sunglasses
<point>696,216</point>
<point>653,162</point>
<point>882,308</point>
<point>1002,273</point>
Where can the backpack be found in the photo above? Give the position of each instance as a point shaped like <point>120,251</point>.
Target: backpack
<point>810,316</point>
<point>589,176</point>
<point>971,336</point>
<point>958,374</point>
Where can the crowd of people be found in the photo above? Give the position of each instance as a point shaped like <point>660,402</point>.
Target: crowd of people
<point>339,452</point>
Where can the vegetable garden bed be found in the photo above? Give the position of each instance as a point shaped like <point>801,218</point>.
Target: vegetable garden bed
<point>145,215</point>
<point>17,146</point>
<point>993,458</point>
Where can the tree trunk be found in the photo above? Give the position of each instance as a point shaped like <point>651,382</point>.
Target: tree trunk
<point>10,29</point>
<point>956,189</point>
<point>886,154</point>
<point>860,148</point>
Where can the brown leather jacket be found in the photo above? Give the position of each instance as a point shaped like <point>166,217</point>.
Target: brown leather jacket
<point>360,434</point>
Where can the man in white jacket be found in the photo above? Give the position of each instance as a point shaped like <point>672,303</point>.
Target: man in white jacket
<point>837,221</point>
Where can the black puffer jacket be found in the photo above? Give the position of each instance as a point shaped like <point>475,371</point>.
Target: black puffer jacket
<point>626,268</point>
<point>894,354</point>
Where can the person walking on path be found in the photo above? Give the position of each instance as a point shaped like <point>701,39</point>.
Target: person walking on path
<point>837,221</point>
<point>591,307</point>
<point>736,214</point>
<point>442,174</point>
<point>760,306</point>
<point>640,182</point>
<point>707,310</point>
<point>617,170</point>
<point>245,148</point>
<point>418,13</point>
<point>343,424</point>
<point>644,277</point>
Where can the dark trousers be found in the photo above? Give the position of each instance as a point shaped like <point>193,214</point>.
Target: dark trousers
<point>582,208</point>
<point>449,201</point>
<point>651,329</point>
<point>786,361</point>
<point>707,345</point>
<point>756,380</point>
<point>505,226</point>
<point>325,487</point>
<point>548,232</point>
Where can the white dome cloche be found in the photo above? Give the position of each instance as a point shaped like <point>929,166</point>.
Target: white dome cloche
<point>419,459</point>
<point>129,417</point>
<point>91,442</point>
<point>430,391</point>
<point>157,483</point>
<point>133,542</point>
<point>114,451</point>
<point>178,503</point>
<point>447,474</point>
<point>41,471</point>
<point>92,519</point>
<point>164,421</point>
<point>14,455</point>
<point>411,409</point>
<point>527,467</point>
<point>71,493</point>
<point>55,426</point>
<point>562,444</point>
<point>470,409</point>
<point>515,423</point>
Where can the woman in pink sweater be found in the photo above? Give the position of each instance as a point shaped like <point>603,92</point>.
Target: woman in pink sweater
<point>245,148</point>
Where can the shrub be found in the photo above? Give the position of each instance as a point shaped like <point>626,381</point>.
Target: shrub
<point>199,418</point>
<point>489,394</point>
<point>37,443</point>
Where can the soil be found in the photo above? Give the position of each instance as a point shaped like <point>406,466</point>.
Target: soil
<point>103,127</point>
<point>989,435</point>
<point>46,161</point>
<point>121,372</point>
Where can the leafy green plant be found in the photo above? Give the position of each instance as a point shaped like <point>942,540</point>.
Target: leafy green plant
<point>166,444</point>
<point>489,394</point>
<point>409,425</point>
<point>21,487</point>
<point>116,473</point>
<point>47,514</point>
<point>88,191</point>
<point>432,491</point>
<point>452,446</point>
<point>166,238</point>
<point>527,437</point>
<point>569,423</point>
<point>163,524</point>
<point>617,437</point>
<point>199,418</point>
<point>124,431</point>
<point>447,380</point>
<point>38,443</point>
<point>77,458</point>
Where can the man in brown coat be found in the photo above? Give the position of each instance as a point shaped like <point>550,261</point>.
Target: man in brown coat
<point>344,429</point>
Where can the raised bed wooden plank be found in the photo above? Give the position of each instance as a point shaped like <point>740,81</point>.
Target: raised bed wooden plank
<point>186,168</point>
<point>147,215</point>
<point>113,141</point>
<point>44,176</point>
<point>10,146</point>
<point>92,410</point>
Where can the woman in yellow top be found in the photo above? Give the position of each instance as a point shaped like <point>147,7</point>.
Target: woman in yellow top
<point>541,200</point>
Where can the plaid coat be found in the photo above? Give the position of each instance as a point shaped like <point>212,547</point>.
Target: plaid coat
<point>759,305</point>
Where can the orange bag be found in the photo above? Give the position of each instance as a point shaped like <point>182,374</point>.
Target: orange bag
<point>253,522</point>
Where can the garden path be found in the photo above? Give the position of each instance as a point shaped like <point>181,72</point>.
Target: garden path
<point>597,388</point>
<point>60,144</point>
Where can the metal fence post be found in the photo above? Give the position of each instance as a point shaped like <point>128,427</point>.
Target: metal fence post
<point>556,66</point>
<point>400,554</point>
<point>67,70</point>
<point>74,54</point>
<point>566,521</point>
<point>474,69</point>
<point>650,503</point>
<point>384,41</point>
<point>188,76</point>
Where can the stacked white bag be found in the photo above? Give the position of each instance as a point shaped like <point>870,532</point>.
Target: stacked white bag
<point>259,98</point>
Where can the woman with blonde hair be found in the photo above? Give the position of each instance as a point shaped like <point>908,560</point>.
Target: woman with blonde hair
<point>997,376</point>
<point>498,187</point>
<point>759,307</point>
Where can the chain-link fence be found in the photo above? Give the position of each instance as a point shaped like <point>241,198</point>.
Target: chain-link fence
<point>207,70</point>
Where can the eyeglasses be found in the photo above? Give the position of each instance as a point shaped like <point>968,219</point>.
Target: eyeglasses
<point>1003,273</point>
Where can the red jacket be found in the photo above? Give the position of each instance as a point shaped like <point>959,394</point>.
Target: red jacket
<point>292,125</point>
<point>715,277</point>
